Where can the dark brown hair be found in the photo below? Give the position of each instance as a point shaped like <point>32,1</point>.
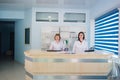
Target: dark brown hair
<point>57,35</point>
<point>83,35</point>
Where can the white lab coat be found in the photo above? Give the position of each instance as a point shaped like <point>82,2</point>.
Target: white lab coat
<point>79,47</point>
<point>56,46</point>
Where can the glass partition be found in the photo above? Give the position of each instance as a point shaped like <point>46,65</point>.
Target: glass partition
<point>47,16</point>
<point>74,17</point>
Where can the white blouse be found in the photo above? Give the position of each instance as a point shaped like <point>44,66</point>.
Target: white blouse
<point>56,46</point>
<point>79,47</point>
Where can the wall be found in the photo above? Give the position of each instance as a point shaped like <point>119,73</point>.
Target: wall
<point>9,14</point>
<point>20,45</point>
<point>19,41</point>
<point>27,19</point>
<point>101,7</point>
<point>92,32</point>
<point>20,23</point>
<point>27,24</point>
<point>39,27</point>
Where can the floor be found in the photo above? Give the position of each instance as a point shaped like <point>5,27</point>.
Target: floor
<point>11,70</point>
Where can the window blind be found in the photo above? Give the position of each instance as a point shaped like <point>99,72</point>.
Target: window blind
<point>106,31</point>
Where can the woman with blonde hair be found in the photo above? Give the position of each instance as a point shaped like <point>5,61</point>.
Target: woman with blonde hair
<point>57,44</point>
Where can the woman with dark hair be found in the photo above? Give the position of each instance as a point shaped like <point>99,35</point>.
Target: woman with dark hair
<point>57,44</point>
<point>80,45</point>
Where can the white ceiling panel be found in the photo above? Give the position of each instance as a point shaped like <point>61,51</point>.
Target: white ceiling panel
<point>46,1</point>
<point>82,3</point>
<point>12,1</point>
<point>23,4</point>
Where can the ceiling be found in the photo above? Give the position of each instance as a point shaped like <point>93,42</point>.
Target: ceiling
<point>24,4</point>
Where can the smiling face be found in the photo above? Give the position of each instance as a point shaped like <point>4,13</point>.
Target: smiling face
<point>81,36</point>
<point>57,37</point>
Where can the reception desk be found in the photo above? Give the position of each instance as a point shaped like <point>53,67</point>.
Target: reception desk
<point>42,65</point>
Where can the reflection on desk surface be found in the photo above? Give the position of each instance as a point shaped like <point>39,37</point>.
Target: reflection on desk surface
<point>54,50</point>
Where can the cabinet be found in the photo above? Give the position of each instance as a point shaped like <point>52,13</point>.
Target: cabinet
<point>42,65</point>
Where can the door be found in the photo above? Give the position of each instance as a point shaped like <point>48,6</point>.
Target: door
<point>0,45</point>
<point>12,43</point>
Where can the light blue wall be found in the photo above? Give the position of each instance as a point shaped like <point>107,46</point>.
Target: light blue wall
<point>18,17</point>
<point>19,41</point>
<point>20,45</point>
<point>8,14</point>
<point>26,19</point>
<point>100,8</point>
<point>37,27</point>
<point>22,20</point>
<point>27,24</point>
<point>103,6</point>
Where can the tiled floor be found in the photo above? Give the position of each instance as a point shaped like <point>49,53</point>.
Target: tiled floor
<point>11,70</point>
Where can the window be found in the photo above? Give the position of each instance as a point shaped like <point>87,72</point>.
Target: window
<point>47,16</point>
<point>106,31</point>
<point>74,17</point>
